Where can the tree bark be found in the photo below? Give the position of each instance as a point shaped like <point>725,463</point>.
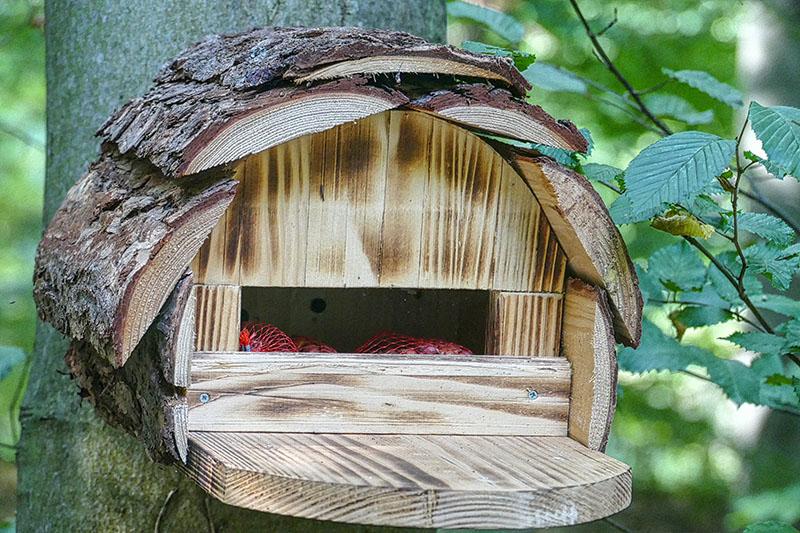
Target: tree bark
<point>75,473</point>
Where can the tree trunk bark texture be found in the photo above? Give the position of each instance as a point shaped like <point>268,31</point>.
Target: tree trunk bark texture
<point>75,473</point>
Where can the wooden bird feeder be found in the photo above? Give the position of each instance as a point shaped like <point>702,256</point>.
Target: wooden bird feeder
<point>336,182</point>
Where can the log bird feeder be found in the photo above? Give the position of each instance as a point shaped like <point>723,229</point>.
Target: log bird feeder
<point>336,182</point>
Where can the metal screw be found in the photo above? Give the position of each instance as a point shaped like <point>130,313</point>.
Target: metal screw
<point>532,394</point>
<point>204,397</point>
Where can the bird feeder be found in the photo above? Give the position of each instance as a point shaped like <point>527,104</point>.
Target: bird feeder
<point>336,182</point>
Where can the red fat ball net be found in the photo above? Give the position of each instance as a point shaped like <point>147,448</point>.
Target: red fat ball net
<point>387,342</point>
<point>260,337</point>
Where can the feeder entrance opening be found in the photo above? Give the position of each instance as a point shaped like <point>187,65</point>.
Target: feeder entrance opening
<point>345,319</point>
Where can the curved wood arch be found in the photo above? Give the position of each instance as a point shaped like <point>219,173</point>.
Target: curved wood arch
<point>398,199</point>
<point>592,242</point>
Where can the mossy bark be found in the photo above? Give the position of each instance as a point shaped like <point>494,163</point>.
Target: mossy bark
<point>75,473</point>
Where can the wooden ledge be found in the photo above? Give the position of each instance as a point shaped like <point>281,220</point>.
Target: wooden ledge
<point>369,393</point>
<point>429,481</point>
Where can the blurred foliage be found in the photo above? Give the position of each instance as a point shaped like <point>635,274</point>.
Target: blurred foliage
<point>699,462</point>
<point>22,153</point>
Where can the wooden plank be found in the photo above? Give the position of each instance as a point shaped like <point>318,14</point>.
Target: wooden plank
<point>275,215</point>
<point>551,262</point>
<point>459,225</point>
<point>524,324</point>
<point>217,262</point>
<point>589,345</point>
<point>419,481</point>
<point>360,393</point>
<point>218,313</point>
<point>515,257</point>
<point>328,207</point>
<point>589,237</point>
<point>363,151</point>
<point>405,200</point>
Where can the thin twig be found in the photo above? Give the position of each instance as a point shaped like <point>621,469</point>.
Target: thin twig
<point>704,378</point>
<point>617,525</point>
<point>211,528</point>
<point>610,24</point>
<point>21,136</point>
<point>600,51</point>
<point>756,196</point>
<point>736,314</point>
<point>16,400</point>
<point>730,277</point>
<point>157,527</point>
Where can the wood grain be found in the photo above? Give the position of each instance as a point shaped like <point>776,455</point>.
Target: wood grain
<point>175,323</point>
<point>407,175</point>
<point>420,481</point>
<point>494,110</point>
<point>524,324</point>
<point>399,199</point>
<point>592,242</point>
<point>327,214</point>
<point>363,153</point>
<point>281,121</point>
<point>588,343</point>
<point>364,393</point>
<point>274,215</point>
<point>405,63</point>
<point>217,317</point>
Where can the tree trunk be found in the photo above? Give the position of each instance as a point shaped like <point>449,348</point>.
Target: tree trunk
<point>75,473</point>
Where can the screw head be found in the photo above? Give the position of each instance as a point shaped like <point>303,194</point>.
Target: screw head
<point>204,397</point>
<point>532,394</point>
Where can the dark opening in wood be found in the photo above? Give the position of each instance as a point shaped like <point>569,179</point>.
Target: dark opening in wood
<point>345,318</point>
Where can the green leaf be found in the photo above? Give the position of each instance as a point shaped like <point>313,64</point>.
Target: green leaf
<point>778,129</point>
<point>764,225</point>
<point>10,357</point>
<point>757,341</point>
<point>682,223</point>
<point>552,78</point>
<point>671,106</point>
<point>673,170</point>
<point>770,526</point>
<point>770,261</point>
<point>503,25</point>
<point>601,172</point>
<point>565,157</point>
<point>705,82</point>
<point>678,267</point>
<point>778,303</point>
<point>697,316</point>
<point>522,60</point>
<point>589,141</point>
<point>651,287</point>
<point>778,380</point>
<point>726,291</point>
<point>661,352</point>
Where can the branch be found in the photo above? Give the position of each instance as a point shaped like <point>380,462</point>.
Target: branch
<point>20,136</point>
<point>730,277</point>
<point>603,56</point>
<point>758,198</point>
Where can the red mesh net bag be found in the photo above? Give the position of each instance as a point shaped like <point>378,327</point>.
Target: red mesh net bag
<point>307,344</point>
<point>261,337</point>
<point>388,342</point>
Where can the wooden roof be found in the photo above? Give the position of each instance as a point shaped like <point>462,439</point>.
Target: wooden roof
<point>231,96</point>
